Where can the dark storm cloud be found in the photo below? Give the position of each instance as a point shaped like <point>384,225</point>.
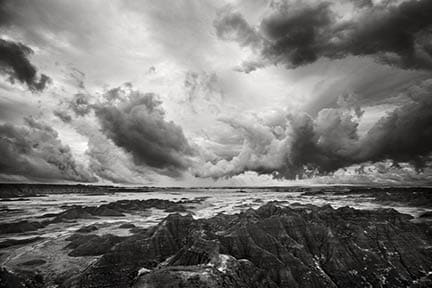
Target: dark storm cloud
<point>297,36</point>
<point>63,115</point>
<point>362,3</point>
<point>80,104</point>
<point>6,16</point>
<point>138,125</point>
<point>332,142</point>
<point>233,27</point>
<point>304,146</point>
<point>406,133</point>
<point>14,62</point>
<point>35,152</point>
<point>300,34</point>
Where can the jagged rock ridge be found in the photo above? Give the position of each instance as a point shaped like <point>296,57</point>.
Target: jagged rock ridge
<point>272,247</point>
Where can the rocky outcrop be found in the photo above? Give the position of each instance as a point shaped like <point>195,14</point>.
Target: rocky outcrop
<point>12,190</point>
<point>119,266</point>
<point>141,205</point>
<point>200,252</point>
<point>91,245</point>
<point>113,209</point>
<point>225,271</point>
<point>117,209</point>
<point>272,246</point>
<point>87,229</point>
<point>21,226</point>
<point>23,280</point>
<point>126,226</point>
<point>12,242</point>
<point>410,196</point>
<point>426,215</point>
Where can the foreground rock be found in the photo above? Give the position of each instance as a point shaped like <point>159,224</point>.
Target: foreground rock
<point>24,280</point>
<point>21,226</point>
<point>12,242</point>
<point>271,247</point>
<point>91,245</point>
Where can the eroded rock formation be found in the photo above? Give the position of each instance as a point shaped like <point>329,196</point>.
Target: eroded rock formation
<point>272,246</point>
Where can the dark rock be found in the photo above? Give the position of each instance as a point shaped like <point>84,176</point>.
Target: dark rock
<point>119,266</point>
<point>176,208</point>
<point>227,272</point>
<point>104,211</point>
<point>87,229</point>
<point>13,199</point>
<point>10,280</point>
<point>34,262</point>
<point>48,215</point>
<point>12,242</point>
<point>200,252</point>
<point>78,239</point>
<point>141,205</point>
<point>67,277</point>
<point>127,226</point>
<point>273,246</point>
<point>426,215</point>
<point>412,196</point>
<point>91,245</point>
<point>76,212</point>
<point>21,280</point>
<point>20,227</point>
<point>196,200</point>
<point>138,230</point>
<point>116,209</point>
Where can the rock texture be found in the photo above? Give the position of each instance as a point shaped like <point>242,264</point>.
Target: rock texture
<point>91,245</point>
<point>113,209</point>
<point>272,246</point>
<point>118,208</point>
<point>24,280</point>
<point>21,226</point>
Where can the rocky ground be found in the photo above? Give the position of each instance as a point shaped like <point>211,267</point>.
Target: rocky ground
<point>220,239</point>
<point>272,246</point>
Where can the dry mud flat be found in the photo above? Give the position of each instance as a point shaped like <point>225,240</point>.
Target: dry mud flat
<point>276,245</point>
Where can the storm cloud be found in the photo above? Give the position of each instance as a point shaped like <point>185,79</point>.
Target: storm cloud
<point>296,35</point>
<point>136,122</point>
<point>14,62</point>
<point>111,163</point>
<point>302,146</point>
<point>35,152</point>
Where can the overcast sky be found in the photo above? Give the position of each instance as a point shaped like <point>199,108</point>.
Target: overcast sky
<point>194,93</point>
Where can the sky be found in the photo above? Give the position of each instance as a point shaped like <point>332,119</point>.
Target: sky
<point>216,93</point>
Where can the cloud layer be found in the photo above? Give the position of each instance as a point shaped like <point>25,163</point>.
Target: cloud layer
<point>14,62</point>
<point>354,103</point>
<point>298,145</point>
<point>137,123</point>
<point>34,151</point>
<point>296,34</point>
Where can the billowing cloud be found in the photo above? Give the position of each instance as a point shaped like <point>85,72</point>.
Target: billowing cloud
<point>297,34</point>
<point>231,26</point>
<point>211,122</point>
<point>35,152</point>
<point>302,146</point>
<point>406,133</point>
<point>137,123</point>
<point>63,115</point>
<point>80,104</point>
<point>14,62</point>
<point>111,163</point>
<point>384,172</point>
